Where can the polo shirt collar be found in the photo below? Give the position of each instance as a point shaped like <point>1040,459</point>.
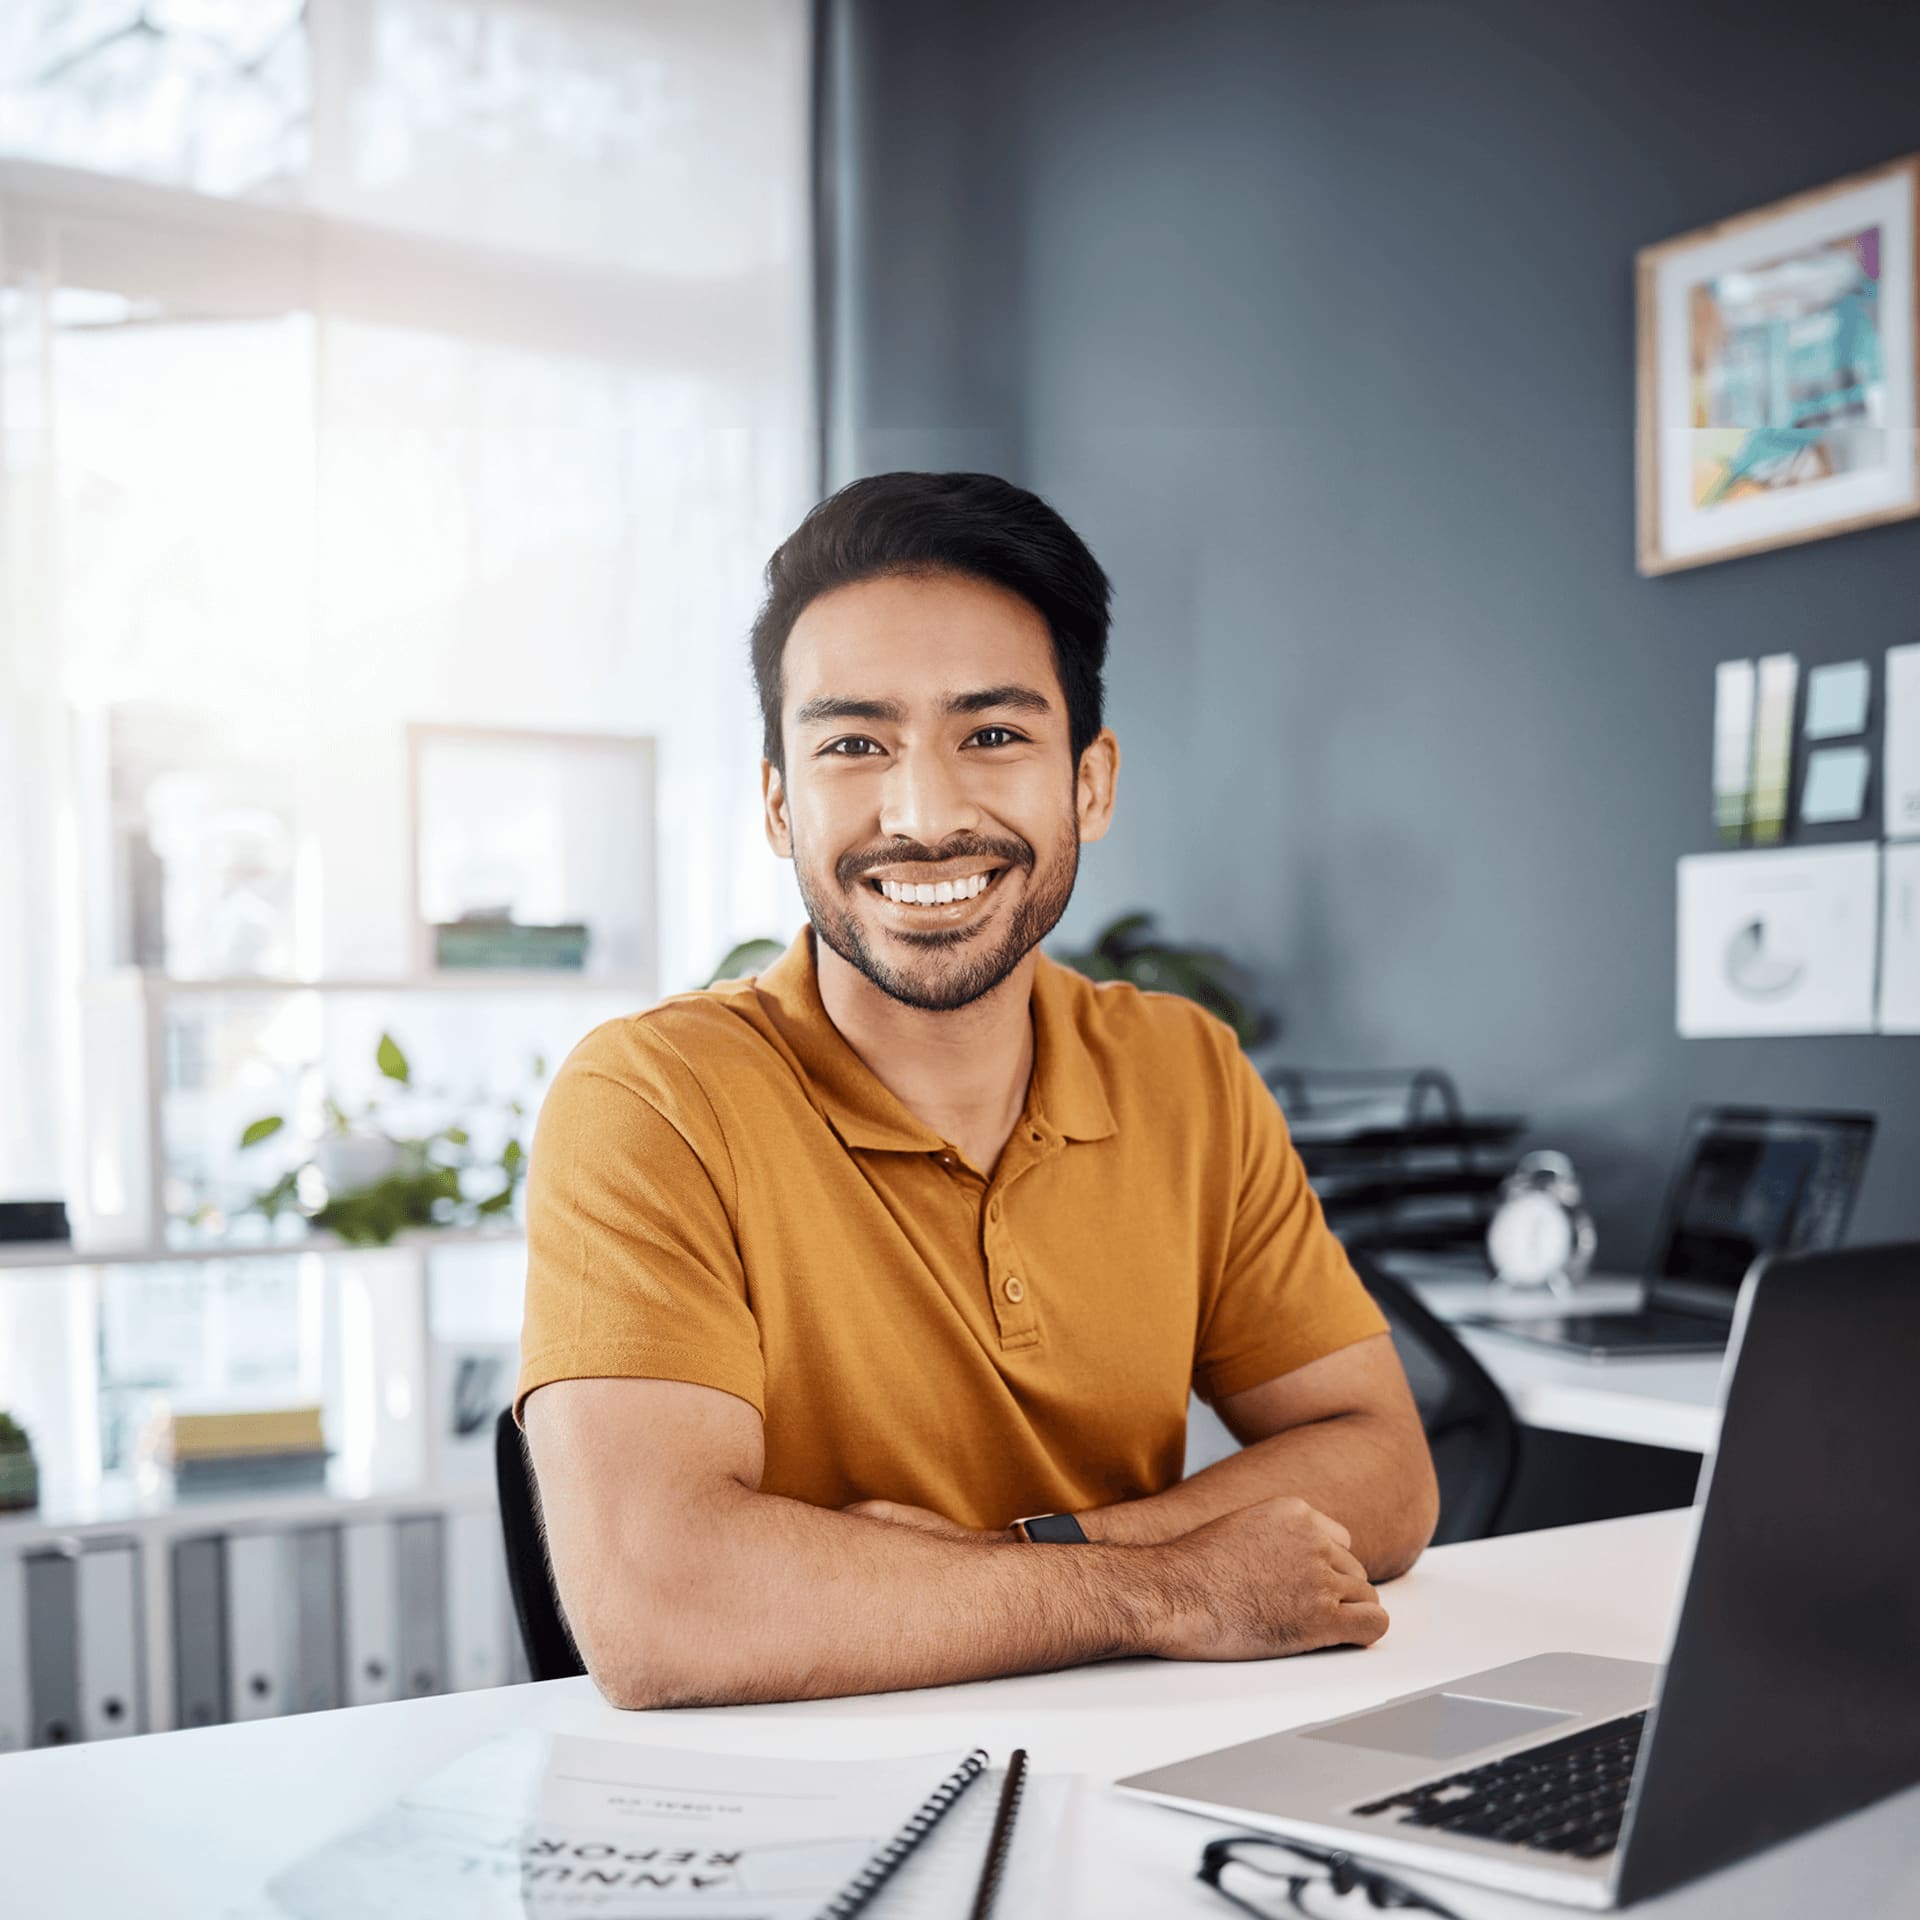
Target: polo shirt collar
<point>1066,1095</point>
<point>1068,1092</point>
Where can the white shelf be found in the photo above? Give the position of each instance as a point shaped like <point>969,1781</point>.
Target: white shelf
<point>29,1255</point>
<point>446,980</point>
<point>115,1504</point>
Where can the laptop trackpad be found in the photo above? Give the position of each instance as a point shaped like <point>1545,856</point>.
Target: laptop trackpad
<point>1438,1726</point>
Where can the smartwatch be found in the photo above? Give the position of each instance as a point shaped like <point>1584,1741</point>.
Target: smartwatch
<point>1051,1529</point>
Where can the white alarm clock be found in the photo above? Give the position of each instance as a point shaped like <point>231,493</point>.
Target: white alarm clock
<point>1541,1234</point>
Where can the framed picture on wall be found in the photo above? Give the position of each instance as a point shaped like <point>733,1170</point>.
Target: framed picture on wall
<point>1779,353</point>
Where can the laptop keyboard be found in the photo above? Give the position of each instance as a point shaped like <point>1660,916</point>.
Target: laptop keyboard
<point>1567,1796</point>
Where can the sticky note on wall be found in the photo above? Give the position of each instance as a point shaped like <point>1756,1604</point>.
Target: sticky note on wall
<point>1837,699</point>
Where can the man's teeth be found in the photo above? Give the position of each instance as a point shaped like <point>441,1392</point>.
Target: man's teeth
<point>938,894</point>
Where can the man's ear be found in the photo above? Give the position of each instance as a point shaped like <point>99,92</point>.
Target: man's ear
<point>1094,785</point>
<point>773,810</point>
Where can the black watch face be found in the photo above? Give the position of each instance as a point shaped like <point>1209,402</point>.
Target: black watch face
<point>1056,1529</point>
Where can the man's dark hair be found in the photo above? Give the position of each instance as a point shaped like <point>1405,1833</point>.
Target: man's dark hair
<point>933,523</point>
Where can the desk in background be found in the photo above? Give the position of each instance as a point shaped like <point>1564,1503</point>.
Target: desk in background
<point>1600,1438</point>
<point>199,1820</point>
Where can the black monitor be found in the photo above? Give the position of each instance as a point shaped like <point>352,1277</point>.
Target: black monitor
<point>1753,1181</point>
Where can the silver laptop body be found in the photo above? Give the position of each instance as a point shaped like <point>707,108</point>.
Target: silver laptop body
<point>1768,1716</point>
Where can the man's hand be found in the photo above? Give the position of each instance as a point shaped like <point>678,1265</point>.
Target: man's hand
<point>1277,1577</point>
<point>897,1513</point>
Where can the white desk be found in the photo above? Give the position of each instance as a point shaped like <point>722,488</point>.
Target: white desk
<point>1670,1400</point>
<point>180,1824</point>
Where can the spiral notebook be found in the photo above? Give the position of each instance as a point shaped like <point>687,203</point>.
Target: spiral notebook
<point>532,1825</point>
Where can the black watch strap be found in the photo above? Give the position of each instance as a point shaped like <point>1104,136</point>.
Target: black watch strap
<point>1052,1529</point>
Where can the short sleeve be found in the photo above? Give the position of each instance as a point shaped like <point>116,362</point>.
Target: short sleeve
<point>633,1265</point>
<point>1287,1294</point>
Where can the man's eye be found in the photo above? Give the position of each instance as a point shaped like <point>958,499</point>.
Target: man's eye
<point>854,747</point>
<point>998,737</point>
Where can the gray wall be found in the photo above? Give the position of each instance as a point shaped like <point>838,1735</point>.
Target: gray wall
<point>1316,320</point>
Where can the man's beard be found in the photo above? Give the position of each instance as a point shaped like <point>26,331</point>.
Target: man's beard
<point>1036,916</point>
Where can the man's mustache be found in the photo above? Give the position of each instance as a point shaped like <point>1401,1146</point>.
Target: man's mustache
<point>1014,853</point>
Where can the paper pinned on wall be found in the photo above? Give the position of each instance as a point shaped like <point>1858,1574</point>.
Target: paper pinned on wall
<point>1779,682</point>
<point>1900,940</point>
<point>1900,766</point>
<point>1776,943</point>
<point>1837,700</point>
<point>1732,748</point>
<point>1835,787</point>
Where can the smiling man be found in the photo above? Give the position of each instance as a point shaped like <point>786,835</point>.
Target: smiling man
<point>865,1298</point>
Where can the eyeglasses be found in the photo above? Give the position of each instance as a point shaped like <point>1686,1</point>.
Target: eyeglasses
<point>1273,1877</point>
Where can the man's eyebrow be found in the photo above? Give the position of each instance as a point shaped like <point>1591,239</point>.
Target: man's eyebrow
<point>841,706</point>
<point>986,699</point>
<point>846,706</point>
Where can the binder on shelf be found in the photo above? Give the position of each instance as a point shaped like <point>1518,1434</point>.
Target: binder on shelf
<point>53,1648</point>
<point>315,1578</point>
<point>200,1632</point>
<point>476,1601</point>
<point>107,1583</point>
<point>256,1637</point>
<point>420,1569</point>
<point>13,1653</point>
<point>372,1626</point>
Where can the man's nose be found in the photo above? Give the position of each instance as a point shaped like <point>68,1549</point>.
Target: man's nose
<point>923,798</point>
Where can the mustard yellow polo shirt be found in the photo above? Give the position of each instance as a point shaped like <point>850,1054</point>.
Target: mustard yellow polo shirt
<point>721,1192</point>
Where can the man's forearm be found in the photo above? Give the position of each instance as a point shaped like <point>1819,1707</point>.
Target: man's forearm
<point>1367,1472</point>
<point>777,1600</point>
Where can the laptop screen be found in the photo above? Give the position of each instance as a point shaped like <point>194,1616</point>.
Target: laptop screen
<point>1752,1181</point>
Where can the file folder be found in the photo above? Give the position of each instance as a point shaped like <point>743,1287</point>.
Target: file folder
<point>13,1653</point>
<point>315,1554</point>
<point>200,1632</point>
<point>256,1632</point>
<point>53,1648</point>
<point>108,1610</point>
<point>372,1624</point>
<point>419,1564</point>
<point>476,1601</point>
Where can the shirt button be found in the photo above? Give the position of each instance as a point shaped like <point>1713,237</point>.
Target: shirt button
<point>993,1210</point>
<point>1013,1288</point>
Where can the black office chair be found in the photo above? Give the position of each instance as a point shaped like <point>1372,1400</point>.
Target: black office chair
<point>1470,1427</point>
<point>551,1654</point>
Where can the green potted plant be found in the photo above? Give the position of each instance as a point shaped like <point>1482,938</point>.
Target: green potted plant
<point>749,957</point>
<point>367,1183</point>
<point>19,1475</point>
<point>1128,950</point>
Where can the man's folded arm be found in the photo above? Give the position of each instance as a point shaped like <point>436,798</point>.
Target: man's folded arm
<point>685,1585</point>
<point>1341,1433</point>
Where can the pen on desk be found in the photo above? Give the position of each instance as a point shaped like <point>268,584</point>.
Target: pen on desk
<point>1002,1835</point>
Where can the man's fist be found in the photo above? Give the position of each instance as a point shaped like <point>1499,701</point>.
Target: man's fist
<point>1277,1577</point>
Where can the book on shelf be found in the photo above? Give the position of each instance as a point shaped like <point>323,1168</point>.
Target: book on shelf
<point>263,1430</point>
<point>244,1450</point>
<point>487,940</point>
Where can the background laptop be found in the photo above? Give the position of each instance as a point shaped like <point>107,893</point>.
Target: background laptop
<point>1749,1181</point>
<point>1778,1708</point>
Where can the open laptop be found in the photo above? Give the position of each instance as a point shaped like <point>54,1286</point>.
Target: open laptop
<point>1749,1181</point>
<point>1597,1782</point>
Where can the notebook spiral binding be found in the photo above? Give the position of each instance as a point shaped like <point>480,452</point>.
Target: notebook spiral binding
<point>932,1810</point>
